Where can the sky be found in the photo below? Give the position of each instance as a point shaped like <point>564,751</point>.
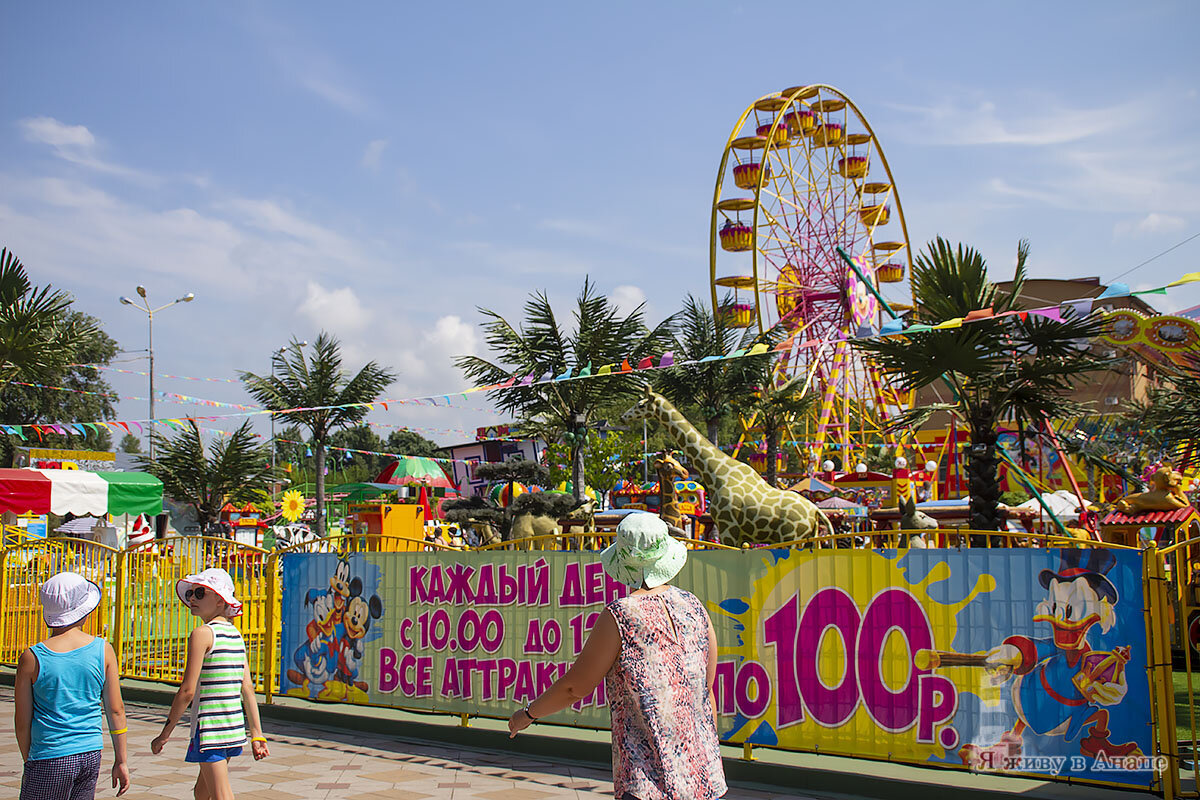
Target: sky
<point>383,170</point>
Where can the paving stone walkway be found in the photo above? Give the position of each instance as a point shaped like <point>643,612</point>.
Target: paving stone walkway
<point>309,763</point>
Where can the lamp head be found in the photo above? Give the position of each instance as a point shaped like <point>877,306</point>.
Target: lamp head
<point>187,298</point>
<point>126,301</point>
<point>861,469</point>
<point>931,466</point>
<point>141,290</point>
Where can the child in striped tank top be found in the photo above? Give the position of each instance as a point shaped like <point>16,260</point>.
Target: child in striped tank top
<point>216,685</point>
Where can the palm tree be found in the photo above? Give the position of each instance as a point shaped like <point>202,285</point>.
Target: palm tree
<point>236,469</point>
<point>1169,417</point>
<point>539,347</point>
<point>773,402</point>
<point>1020,365</point>
<point>318,387</point>
<point>713,386</point>
<point>39,335</point>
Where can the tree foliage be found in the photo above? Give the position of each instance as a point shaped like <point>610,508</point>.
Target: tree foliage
<point>773,401</point>
<point>317,384</point>
<point>541,347</point>
<point>714,387</point>
<point>1019,366</point>
<point>233,469</point>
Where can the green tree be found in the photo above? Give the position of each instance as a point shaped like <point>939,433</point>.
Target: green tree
<point>1168,420</point>
<point>234,469</point>
<point>608,459</point>
<point>712,387</point>
<point>360,437</point>
<point>1017,366</point>
<point>81,395</point>
<point>410,443</point>
<point>539,347</point>
<point>39,334</point>
<point>130,444</point>
<point>772,404</point>
<point>319,385</point>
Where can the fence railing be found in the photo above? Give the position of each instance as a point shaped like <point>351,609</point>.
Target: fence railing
<point>148,626</point>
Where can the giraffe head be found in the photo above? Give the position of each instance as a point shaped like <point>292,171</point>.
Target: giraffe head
<point>645,408</point>
<point>667,463</point>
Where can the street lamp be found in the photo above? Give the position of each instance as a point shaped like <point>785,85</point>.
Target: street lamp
<point>274,356</point>
<point>144,306</point>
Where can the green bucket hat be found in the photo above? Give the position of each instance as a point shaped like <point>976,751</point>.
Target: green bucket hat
<point>643,552</point>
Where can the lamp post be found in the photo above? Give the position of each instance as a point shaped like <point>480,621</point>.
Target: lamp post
<point>278,354</point>
<point>144,306</point>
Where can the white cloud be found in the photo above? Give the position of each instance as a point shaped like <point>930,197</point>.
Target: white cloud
<point>627,298</point>
<point>76,144</point>
<point>338,311</point>
<point>329,89</point>
<point>952,122</point>
<point>373,155</point>
<point>1150,224</point>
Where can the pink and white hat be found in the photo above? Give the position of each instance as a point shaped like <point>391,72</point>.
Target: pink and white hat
<point>216,580</point>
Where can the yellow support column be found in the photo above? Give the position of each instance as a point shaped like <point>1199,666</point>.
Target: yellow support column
<point>272,626</point>
<point>747,751</point>
<point>3,598</point>
<point>1159,657</point>
<point>118,640</point>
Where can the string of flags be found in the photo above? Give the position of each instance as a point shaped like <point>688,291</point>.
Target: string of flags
<point>891,328</point>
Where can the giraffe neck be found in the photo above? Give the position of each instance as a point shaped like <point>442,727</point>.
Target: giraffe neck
<point>704,456</point>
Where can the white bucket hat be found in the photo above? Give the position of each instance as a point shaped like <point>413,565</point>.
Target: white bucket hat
<point>67,598</point>
<point>214,579</point>
<point>643,552</point>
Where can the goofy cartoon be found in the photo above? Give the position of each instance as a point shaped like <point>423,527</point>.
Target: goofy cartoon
<point>1060,686</point>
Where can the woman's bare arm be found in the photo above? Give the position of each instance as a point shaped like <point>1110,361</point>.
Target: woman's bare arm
<point>598,655</point>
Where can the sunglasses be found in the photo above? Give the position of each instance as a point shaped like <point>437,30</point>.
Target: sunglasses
<point>197,593</point>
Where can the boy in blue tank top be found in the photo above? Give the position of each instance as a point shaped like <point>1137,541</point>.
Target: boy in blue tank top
<point>61,685</point>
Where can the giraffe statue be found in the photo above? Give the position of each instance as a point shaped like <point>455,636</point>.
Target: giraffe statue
<point>746,508</point>
<point>669,470</point>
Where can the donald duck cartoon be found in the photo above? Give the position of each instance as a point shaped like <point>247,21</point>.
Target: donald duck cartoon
<point>1060,685</point>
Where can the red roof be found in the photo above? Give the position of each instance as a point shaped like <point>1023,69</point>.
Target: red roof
<point>1149,517</point>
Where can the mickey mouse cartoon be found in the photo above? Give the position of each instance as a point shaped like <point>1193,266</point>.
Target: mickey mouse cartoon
<point>340,585</point>
<point>355,624</point>
<point>316,659</point>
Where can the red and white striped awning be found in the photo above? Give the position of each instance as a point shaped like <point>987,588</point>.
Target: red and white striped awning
<point>74,491</point>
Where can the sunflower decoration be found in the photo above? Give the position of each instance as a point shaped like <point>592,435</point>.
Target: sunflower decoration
<point>292,505</point>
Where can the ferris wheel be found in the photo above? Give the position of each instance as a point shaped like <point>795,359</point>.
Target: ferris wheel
<point>803,180</point>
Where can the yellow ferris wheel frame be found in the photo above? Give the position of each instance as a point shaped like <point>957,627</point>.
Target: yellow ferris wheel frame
<point>818,100</point>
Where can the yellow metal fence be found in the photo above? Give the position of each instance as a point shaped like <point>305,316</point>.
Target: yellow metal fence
<point>141,615</point>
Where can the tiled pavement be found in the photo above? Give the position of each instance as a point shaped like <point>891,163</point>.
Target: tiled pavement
<point>313,764</point>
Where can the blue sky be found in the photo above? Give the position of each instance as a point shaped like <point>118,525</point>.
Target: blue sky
<point>381,169</point>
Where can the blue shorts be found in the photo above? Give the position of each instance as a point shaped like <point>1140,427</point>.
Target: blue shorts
<point>197,756</point>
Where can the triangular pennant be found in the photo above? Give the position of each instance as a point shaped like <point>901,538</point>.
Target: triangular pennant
<point>1159,290</point>
<point>586,371</point>
<point>737,353</point>
<point>606,369</point>
<point>891,327</point>
<point>918,329</point>
<point>1054,313</point>
<point>709,358</point>
<point>948,324</point>
<point>981,313</point>
<point>668,358</point>
<point>123,425</point>
<point>1191,277</point>
<point>1079,308</point>
<point>564,376</point>
<point>645,363</point>
<point>625,366</point>
<point>1114,290</point>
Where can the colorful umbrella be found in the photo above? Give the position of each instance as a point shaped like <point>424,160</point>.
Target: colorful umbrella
<point>417,469</point>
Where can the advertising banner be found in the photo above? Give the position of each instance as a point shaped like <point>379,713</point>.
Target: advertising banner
<point>1009,660</point>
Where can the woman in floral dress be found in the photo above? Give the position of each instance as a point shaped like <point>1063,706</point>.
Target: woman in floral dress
<point>657,652</point>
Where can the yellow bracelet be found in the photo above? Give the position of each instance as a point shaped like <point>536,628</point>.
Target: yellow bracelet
<point>258,738</point>
<point>118,733</point>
